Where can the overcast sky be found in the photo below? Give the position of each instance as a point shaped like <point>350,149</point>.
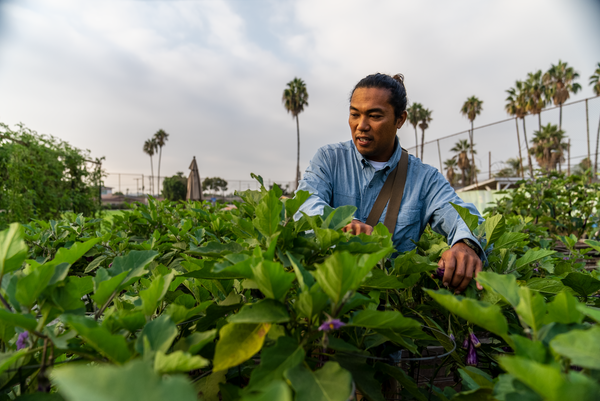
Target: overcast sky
<point>105,75</point>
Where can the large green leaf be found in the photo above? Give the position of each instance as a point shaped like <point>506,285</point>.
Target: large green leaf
<point>177,362</point>
<point>504,285</point>
<point>112,346</point>
<point>584,284</point>
<point>133,263</point>
<point>534,350</point>
<point>158,335</point>
<point>215,249</point>
<point>531,256</point>
<point>31,286</point>
<point>10,358</point>
<point>238,343</point>
<point>509,239</point>
<point>310,303</point>
<point>25,321</point>
<point>305,279</point>
<point>339,217</point>
<point>134,381</point>
<point>13,249</point>
<point>268,214</point>
<point>330,383</point>
<point>272,279</point>
<point>380,280</point>
<point>103,289</point>
<point>264,311</point>
<point>155,293</point>
<point>592,313</point>
<point>273,390</point>
<point>545,285</point>
<point>74,253</point>
<point>581,347</point>
<point>275,360</point>
<point>531,308</point>
<point>593,244</point>
<point>292,205</point>
<point>547,380</point>
<point>407,382</point>
<point>362,375</point>
<point>484,315</point>
<point>563,309</point>
<point>393,320</point>
<point>494,226</point>
<point>470,219</point>
<point>196,341</point>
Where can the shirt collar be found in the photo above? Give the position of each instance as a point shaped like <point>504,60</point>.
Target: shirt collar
<point>389,164</point>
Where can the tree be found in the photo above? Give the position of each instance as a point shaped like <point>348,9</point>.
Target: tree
<point>462,150</point>
<point>425,118</point>
<point>559,81</point>
<point>549,147</point>
<point>471,109</point>
<point>215,184</point>
<point>595,82</point>
<point>537,95</point>
<point>414,117</point>
<point>516,166</point>
<point>175,187</point>
<point>449,166</point>
<point>161,137</point>
<point>150,150</point>
<point>295,98</point>
<point>517,106</point>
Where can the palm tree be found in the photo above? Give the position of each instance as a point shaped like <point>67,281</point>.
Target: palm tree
<point>150,150</point>
<point>462,149</point>
<point>449,166</point>
<point>595,82</point>
<point>537,95</point>
<point>517,106</point>
<point>516,165</point>
<point>294,98</point>
<point>549,147</point>
<point>160,137</point>
<point>425,118</point>
<point>414,117</point>
<point>559,81</point>
<point>471,109</point>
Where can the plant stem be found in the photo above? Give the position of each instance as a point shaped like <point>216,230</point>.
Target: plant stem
<point>112,296</point>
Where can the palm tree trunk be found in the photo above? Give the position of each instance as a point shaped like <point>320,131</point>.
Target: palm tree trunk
<point>416,142</point>
<point>298,153</point>
<point>527,148</point>
<point>540,120</point>
<point>560,116</point>
<point>520,156</point>
<point>158,178</point>
<point>474,172</point>
<point>587,127</point>
<point>596,156</point>
<point>422,142</point>
<point>151,175</point>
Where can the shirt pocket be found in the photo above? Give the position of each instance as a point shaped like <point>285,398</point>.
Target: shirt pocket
<point>408,227</point>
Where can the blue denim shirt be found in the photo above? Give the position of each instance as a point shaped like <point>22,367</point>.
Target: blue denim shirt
<point>339,175</point>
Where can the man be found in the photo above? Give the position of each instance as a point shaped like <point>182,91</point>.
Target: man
<point>354,172</point>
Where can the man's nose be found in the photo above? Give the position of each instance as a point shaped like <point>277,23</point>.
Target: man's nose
<point>363,124</point>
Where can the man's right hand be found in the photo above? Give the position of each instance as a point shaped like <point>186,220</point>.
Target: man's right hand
<point>358,227</point>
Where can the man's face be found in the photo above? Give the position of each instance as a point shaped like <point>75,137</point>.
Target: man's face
<point>373,123</point>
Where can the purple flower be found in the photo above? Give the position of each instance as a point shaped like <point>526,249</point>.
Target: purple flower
<point>565,258</point>
<point>331,324</point>
<point>22,340</point>
<point>474,340</point>
<point>452,337</point>
<point>439,273</point>
<point>471,356</point>
<point>466,343</point>
<point>535,269</point>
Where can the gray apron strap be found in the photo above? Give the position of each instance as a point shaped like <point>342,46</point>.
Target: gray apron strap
<point>392,191</point>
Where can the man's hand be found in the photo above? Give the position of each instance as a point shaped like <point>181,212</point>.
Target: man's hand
<point>461,263</point>
<point>357,227</point>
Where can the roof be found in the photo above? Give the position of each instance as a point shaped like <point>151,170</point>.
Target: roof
<point>496,183</point>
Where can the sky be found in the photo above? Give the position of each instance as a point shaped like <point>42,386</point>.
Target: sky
<point>105,75</point>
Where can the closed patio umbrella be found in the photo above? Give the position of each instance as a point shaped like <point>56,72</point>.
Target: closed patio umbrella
<point>194,187</point>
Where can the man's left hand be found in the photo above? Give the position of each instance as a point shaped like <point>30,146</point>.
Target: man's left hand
<point>461,263</point>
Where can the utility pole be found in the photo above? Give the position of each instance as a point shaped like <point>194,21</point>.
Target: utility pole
<point>569,162</point>
<point>137,186</point>
<point>490,166</point>
<point>587,125</point>
<point>440,156</point>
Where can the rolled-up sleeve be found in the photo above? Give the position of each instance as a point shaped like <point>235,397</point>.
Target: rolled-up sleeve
<point>317,180</point>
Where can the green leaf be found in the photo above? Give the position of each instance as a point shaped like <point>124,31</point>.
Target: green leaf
<point>547,380</point>
<point>403,379</point>
<point>159,333</point>
<point>509,239</point>
<point>31,286</point>
<point>339,217</point>
<point>8,359</point>
<point>74,253</point>
<point>495,226</point>
<point>380,280</point>
<point>330,383</point>
<point>180,313</point>
<point>393,320</point>
<point>484,315</point>
<point>133,263</point>
<point>292,205</point>
<point>470,219</point>
<point>13,250</point>
<point>134,381</point>
<point>592,313</point>
<point>310,303</point>
<point>113,346</point>
<point>272,279</point>
<point>215,249</point>
<point>275,390</point>
<point>477,378</point>
<point>196,341</point>
<point>582,347</point>
<point>545,285</point>
<point>238,343</point>
<point>94,264</point>
<point>531,308</point>
<point>274,361</point>
<point>363,376</point>
<point>531,256</point>
<point>504,285</point>
<point>268,214</point>
<point>155,293</point>
<point>584,284</point>
<point>104,289</point>
<point>593,244</point>
<point>563,309</point>
<point>178,361</point>
<point>534,350</point>
<point>327,237</point>
<point>305,279</point>
<point>263,311</point>
<point>25,321</point>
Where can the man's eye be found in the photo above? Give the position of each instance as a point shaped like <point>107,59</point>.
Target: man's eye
<point>354,114</point>
<point>375,116</point>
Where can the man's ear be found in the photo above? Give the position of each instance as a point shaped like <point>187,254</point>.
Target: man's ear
<point>401,120</point>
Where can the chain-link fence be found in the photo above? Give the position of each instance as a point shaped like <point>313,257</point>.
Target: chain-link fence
<point>496,143</point>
